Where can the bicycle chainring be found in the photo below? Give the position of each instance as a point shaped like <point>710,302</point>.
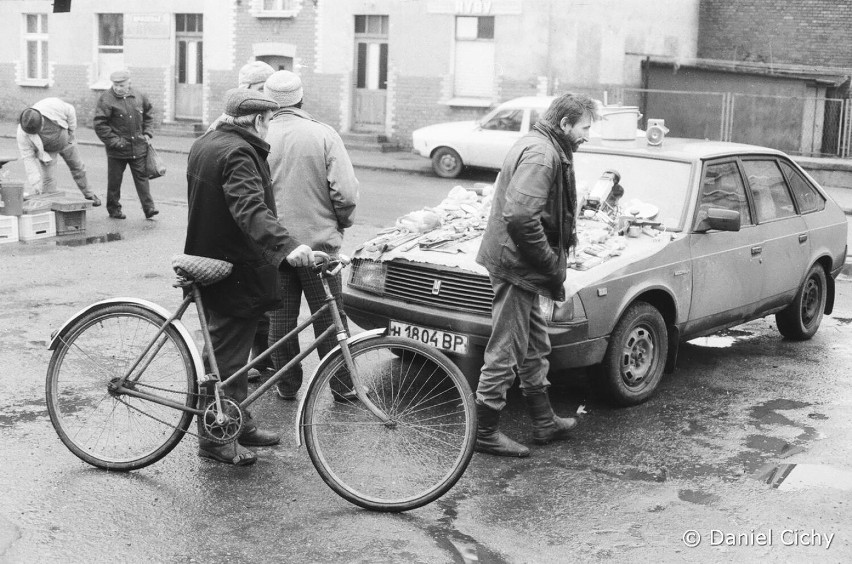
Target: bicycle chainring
<point>228,430</point>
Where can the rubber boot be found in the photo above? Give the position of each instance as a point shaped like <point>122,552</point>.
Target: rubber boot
<point>547,427</point>
<point>229,453</point>
<point>252,436</point>
<point>489,440</point>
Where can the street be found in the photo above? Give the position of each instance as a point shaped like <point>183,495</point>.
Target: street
<point>742,454</point>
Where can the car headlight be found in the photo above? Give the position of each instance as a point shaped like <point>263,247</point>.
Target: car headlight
<point>562,312</point>
<point>369,275</point>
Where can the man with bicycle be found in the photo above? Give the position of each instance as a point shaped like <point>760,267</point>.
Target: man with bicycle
<point>232,217</point>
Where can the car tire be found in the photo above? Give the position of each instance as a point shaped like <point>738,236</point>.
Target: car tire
<point>801,319</point>
<point>635,357</point>
<point>446,162</point>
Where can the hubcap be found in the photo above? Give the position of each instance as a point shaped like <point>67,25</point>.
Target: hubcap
<point>637,356</point>
<point>448,162</point>
<point>811,299</point>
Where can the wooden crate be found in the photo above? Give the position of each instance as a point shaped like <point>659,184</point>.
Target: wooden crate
<point>73,221</point>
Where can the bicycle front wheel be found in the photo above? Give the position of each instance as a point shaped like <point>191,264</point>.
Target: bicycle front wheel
<point>419,453</point>
<point>112,430</point>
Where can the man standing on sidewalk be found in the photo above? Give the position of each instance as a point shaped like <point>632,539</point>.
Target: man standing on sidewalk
<point>316,192</point>
<point>124,123</point>
<point>45,131</point>
<point>524,248</point>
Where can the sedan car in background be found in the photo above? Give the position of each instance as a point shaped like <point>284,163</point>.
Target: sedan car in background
<point>699,236</point>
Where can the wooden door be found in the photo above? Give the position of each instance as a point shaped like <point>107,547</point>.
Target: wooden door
<point>189,66</point>
<point>371,73</point>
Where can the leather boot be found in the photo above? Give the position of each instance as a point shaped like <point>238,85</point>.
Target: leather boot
<point>252,436</point>
<point>547,426</point>
<point>491,441</point>
<point>229,453</point>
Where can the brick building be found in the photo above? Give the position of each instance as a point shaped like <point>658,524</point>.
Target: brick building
<point>377,67</point>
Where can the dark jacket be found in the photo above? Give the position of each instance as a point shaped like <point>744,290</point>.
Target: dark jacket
<point>521,240</point>
<point>232,217</point>
<point>122,123</point>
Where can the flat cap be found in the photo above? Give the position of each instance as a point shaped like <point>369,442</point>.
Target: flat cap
<point>31,120</point>
<point>255,72</point>
<point>120,76</point>
<point>284,87</point>
<point>243,102</point>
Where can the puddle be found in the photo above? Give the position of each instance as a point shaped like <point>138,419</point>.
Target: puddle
<point>713,341</point>
<point>81,241</point>
<point>464,548</point>
<point>797,477</point>
<point>697,497</point>
<point>843,320</point>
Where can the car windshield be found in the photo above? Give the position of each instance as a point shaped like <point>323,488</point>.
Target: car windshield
<point>655,182</point>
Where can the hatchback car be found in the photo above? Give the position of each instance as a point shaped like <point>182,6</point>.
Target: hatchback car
<point>702,236</point>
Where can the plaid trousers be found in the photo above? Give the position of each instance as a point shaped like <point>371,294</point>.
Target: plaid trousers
<point>296,281</point>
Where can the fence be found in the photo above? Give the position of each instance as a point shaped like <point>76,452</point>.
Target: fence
<point>798,126</point>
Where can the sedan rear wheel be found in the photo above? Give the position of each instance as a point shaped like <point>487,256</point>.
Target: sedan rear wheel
<point>636,356</point>
<point>446,162</point>
<point>801,319</point>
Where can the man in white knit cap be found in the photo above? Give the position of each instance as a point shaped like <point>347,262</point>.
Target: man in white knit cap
<point>253,75</point>
<point>315,192</point>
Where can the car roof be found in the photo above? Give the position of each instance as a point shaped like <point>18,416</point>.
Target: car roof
<point>674,148</point>
<point>528,102</point>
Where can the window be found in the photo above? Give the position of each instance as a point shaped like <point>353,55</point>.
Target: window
<point>807,197</point>
<point>190,48</point>
<point>35,41</point>
<point>506,120</point>
<point>474,62</point>
<point>276,8</point>
<point>723,188</point>
<point>110,45</point>
<point>371,33</point>
<point>771,198</point>
<point>277,5</point>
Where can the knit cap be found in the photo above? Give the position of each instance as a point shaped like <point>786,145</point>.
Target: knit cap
<point>255,72</point>
<point>243,102</point>
<point>31,121</point>
<point>284,87</point>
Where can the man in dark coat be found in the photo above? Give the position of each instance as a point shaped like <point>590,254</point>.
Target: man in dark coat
<point>524,248</point>
<point>232,217</point>
<point>124,123</point>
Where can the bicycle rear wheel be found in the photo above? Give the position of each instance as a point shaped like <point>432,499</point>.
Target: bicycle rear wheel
<point>116,431</point>
<point>419,454</point>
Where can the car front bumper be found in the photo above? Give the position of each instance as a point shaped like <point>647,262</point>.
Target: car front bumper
<point>571,346</point>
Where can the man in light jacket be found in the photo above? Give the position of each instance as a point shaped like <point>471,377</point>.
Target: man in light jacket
<point>46,130</point>
<point>316,193</point>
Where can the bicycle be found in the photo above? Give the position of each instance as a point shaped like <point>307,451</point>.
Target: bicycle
<point>125,380</point>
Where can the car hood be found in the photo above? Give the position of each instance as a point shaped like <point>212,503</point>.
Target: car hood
<point>449,235</point>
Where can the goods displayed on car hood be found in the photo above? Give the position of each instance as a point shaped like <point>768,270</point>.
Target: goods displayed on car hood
<point>610,235</point>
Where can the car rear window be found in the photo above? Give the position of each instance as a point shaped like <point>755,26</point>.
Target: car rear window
<point>660,183</point>
<point>807,197</point>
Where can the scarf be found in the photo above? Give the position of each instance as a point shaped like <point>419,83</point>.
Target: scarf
<point>569,200</point>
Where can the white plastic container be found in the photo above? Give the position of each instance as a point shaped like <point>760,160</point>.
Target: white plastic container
<point>37,226</point>
<point>619,122</point>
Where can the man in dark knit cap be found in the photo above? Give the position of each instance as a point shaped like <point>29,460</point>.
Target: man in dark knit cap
<point>232,217</point>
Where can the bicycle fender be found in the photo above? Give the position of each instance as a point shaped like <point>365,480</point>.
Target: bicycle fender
<point>364,336</point>
<point>151,306</point>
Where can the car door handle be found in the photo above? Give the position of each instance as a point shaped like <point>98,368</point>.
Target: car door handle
<point>756,251</point>
<point>803,237</point>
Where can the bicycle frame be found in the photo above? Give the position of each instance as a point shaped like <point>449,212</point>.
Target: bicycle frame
<point>139,365</point>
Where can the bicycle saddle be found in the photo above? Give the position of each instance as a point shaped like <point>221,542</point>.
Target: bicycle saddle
<point>202,270</point>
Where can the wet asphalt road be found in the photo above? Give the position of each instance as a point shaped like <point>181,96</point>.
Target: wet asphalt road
<point>745,445</point>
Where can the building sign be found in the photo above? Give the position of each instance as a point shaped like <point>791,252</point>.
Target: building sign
<point>147,26</point>
<point>475,7</point>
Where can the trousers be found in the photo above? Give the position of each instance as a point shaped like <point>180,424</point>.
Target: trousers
<point>232,338</point>
<point>71,155</point>
<point>518,346</point>
<point>115,173</point>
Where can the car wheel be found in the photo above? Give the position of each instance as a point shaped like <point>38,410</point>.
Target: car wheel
<point>636,356</point>
<point>801,319</point>
<point>446,163</point>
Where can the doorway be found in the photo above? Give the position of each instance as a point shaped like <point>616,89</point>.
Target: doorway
<point>371,73</point>
<point>189,66</point>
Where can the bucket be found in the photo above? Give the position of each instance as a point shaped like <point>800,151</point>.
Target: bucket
<point>619,122</point>
<point>12,194</point>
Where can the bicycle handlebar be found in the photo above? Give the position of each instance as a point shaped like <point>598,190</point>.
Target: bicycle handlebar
<point>323,261</point>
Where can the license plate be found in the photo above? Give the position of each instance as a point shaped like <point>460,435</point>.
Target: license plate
<point>443,340</point>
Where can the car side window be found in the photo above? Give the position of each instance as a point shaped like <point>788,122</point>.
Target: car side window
<point>723,187</point>
<point>807,197</point>
<point>772,199</point>
<point>534,115</point>
<point>507,120</point>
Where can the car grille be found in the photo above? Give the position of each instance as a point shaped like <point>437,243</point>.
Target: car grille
<point>461,291</point>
